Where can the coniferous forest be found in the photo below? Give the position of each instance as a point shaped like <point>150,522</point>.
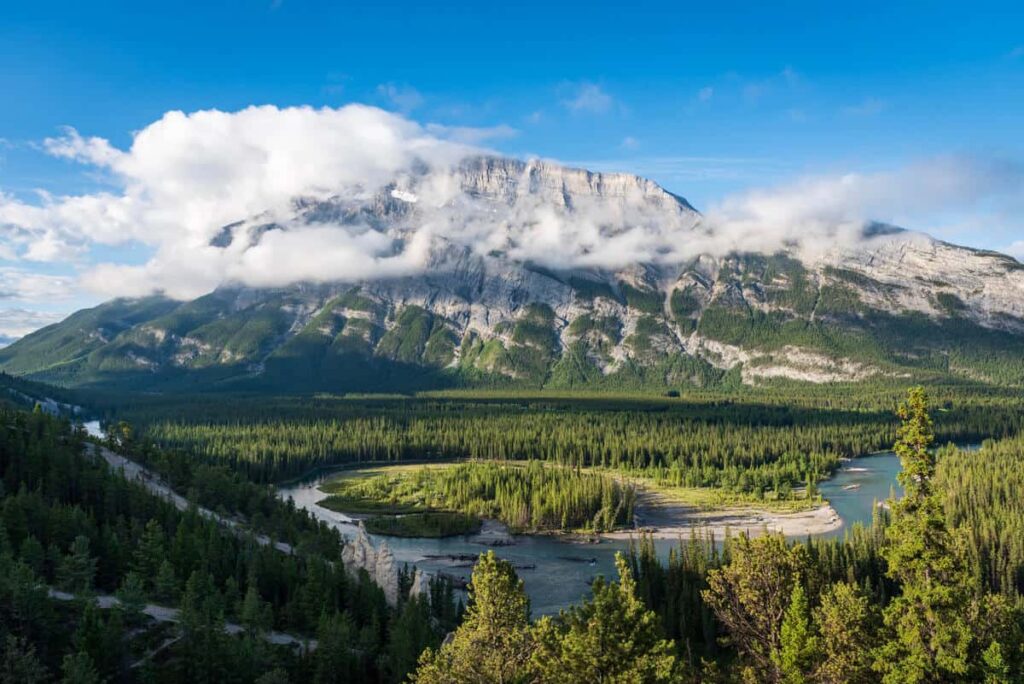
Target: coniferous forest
<point>104,581</point>
<point>88,559</point>
<point>529,498</point>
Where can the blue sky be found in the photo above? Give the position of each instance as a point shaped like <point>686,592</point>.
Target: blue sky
<point>709,101</point>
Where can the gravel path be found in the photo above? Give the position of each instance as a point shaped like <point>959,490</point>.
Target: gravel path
<point>151,481</point>
<point>167,614</point>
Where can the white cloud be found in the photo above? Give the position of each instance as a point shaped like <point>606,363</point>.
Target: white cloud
<point>705,94</point>
<point>586,98</point>
<point>186,176</point>
<point>629,143</point>
<point>820,212</point>
<point>786,80</point>
<point>470,135</point>
<point>71,145</point>
<point>21,285</point>
<point>15,323</point>
<point>402,97</point>
<point>1015,249</point>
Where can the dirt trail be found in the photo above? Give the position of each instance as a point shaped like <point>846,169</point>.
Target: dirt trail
<point>167,614</point>
<point>152,482</point>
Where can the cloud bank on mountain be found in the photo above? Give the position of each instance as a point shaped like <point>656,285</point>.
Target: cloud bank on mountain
<point>186,176</point>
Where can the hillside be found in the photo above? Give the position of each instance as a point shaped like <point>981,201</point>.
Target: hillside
<point>895,305</point>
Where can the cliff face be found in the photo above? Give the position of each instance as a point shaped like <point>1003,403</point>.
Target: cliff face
<point>491,303</point>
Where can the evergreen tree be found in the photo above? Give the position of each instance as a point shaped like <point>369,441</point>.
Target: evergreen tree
<point>846,626</point>
<point>492,646</point>
<point>150,553</point>
<point>334,662</point>
<point>132,595</point>
<point>611,637</point>
<point>256,614</point>
<point>751,594</point>
<point>98,636</point>
<point>997,671</point>
<point>79,669</point>
<point>33,555</point>
<point>411,634</point>
<point>77,569</point>
<point>202,622</point>
<point>798,646</point>
<point>165,586</point>
<point>930,636</point>
<point>20,664</point>
<point>276,676</point>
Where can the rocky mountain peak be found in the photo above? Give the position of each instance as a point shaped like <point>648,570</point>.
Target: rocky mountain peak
<point>493,304</point>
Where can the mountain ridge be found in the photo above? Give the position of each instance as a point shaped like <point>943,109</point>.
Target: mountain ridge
<point>895,304</point>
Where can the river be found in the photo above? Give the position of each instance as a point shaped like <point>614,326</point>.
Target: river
<point>562,568</point>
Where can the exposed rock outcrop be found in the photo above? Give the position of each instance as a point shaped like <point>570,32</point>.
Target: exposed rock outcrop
<point>492,305</point>
<point>379,563</point>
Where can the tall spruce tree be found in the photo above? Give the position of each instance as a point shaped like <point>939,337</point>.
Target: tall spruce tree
<point>929,634</point>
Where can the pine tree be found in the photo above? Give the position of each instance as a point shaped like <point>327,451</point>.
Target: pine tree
<point>751,594</point>
<point>411,633</point>
<point>256,615</point>
<point>132,595</point>
<point>150,552</point>
<point>493,643</point>
<point>165,586</point>
<point>202,622</point>
<point>99,635</point>
<point>276,676</point>
<point>997,671</point>
<point>846,626</point>
<point>334,662</point>
<point>33,554</point>
<point>612,637</point>
<point>20,664</point>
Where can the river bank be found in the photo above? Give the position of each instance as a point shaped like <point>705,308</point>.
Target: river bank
<point>658,515</point>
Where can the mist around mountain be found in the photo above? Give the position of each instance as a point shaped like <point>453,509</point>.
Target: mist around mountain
<point>468,286</point>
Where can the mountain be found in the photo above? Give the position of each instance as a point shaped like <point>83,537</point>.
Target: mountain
<point>891,305</point>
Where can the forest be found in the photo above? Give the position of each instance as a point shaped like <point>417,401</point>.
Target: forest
<point>88,557</point>
<point>760,444</point>
<point>931,591</point>
<point>530,497</point>
<point>919,596</point>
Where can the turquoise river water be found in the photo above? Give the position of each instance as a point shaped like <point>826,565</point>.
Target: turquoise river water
<point>557,571</point>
